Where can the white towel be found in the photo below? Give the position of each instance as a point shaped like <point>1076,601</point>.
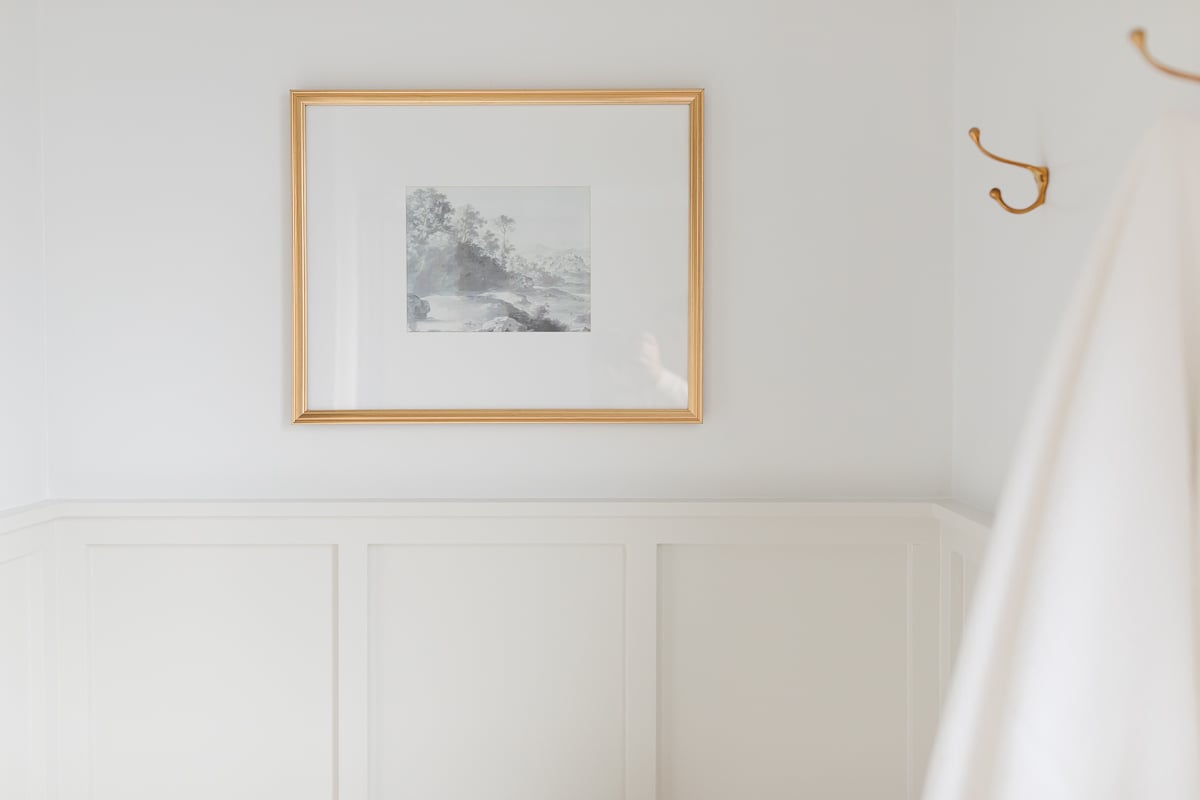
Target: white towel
<point>1077,679</point>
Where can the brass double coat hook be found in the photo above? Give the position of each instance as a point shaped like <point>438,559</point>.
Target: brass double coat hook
<point>1041,175</point>
<point>1138,37</point>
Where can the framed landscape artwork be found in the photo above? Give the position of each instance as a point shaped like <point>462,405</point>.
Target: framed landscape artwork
<point>497,256</point>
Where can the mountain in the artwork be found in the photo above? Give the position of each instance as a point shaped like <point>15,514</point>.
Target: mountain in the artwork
<point>556,267</point>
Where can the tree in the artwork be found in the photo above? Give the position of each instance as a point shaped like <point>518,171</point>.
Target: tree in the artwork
<point>467,222</point>
<point>505,224</point>
<point>489,243</point>
<point>428,212</point>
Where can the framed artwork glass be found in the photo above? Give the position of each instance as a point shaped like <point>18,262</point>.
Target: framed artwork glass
<point>497,256</point>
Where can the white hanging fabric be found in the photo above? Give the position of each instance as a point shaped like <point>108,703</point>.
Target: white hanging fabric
<point>1077,678</point>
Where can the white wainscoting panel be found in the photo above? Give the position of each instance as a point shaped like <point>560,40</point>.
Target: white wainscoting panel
<point>796,669</point>
<point>497,672</point>
<point>210,671</point>
<point>491,651</point>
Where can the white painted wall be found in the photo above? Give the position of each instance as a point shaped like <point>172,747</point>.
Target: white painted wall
<point>22,308</point>
<point>167,240</point>
<point>828,268</point>
<point>1054,82</point>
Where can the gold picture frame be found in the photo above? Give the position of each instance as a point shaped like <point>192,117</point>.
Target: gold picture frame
<point>301,100</point>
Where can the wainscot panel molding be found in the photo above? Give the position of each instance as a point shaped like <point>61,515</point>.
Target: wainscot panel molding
<point>26,652</point>
<point>964,533</point>
<point>451,650</point>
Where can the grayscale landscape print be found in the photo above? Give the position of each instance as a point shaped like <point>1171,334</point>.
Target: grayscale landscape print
<point>499,259</point>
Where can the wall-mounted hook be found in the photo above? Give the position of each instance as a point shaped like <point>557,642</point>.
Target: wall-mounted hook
<point>1041,175</point>
<point>1138,37</point>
